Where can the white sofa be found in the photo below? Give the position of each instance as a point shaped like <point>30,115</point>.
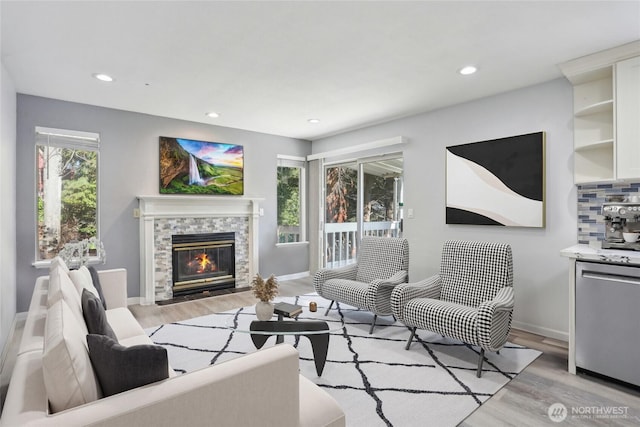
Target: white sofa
<point>262,388</point>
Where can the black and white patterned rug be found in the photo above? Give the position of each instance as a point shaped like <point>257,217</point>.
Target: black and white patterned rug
<point>376,381</point>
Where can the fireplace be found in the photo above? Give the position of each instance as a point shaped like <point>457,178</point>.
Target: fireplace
<point>203,262</point>
<point>163,216</point>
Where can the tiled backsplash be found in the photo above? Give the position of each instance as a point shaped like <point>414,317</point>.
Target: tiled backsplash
<point>590,200</point>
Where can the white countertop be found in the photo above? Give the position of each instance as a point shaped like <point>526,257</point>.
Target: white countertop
<point>589,253</point>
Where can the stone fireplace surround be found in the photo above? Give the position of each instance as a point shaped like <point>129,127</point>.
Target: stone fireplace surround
<point>163,216</point>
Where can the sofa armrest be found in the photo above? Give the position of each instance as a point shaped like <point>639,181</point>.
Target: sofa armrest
<point>347,272</point>
<point>318,408</point>
<point>33,332</point>
<point>494,319</point>
<point>398,278</point>
<point>114,287</point>
<point>403,293</point>
<point>503,301</point>
<point>378,295</point>
<point>258,388</point>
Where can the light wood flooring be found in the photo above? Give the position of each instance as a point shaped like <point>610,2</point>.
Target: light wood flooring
<point>155,315</point>
<point>523,402</point>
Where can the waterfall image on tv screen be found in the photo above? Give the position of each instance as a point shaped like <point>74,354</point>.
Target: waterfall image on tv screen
<point>189,166</point>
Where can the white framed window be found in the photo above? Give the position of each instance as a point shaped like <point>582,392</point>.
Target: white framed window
<point>66,189</point>
<point>291,196</point>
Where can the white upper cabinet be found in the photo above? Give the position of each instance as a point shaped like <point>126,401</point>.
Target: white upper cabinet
<point>628,118</point>
<point>606,114</point>
<point>593,127</point>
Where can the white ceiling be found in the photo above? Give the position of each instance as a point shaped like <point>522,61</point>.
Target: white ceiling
<point>271,66</point>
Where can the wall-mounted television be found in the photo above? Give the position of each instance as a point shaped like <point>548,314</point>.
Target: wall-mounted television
<point>189,166</point>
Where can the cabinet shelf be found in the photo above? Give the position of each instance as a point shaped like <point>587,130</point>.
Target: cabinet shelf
<point>606,108</point>
<point>598,107</point>
<point>605,143</point>
<point>593,123</point>
<point>594,163</point>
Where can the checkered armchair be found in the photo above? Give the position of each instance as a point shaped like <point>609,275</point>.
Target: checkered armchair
<point>470,300</point>
<point>382,264</point>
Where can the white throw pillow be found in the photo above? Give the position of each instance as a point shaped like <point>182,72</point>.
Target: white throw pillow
<point>55,282</point>
<point>82,279</point>
<point>68,375</point>
<point>61,287</point>
<point>58,262</point>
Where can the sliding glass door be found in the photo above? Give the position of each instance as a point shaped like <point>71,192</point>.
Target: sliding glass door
<point>361,197</point>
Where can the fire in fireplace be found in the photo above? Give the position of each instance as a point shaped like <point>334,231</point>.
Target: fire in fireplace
<point>203,262</point>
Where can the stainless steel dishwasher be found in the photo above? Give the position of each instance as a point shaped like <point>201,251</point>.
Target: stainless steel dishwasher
<point>608,320</point>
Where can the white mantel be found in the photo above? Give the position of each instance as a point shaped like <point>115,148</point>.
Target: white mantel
<point>152,208</point>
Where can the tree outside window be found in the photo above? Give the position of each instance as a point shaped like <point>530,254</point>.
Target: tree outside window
<point>290,201</point>
<point>374,183</point>
<point>67,189</point>
<point>342,193</point>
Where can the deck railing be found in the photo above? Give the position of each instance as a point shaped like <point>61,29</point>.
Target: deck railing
<point>288,233</point>
<point>341,239</point>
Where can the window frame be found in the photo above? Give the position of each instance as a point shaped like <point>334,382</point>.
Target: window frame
<point>300,163</point>
<point>70,139</point>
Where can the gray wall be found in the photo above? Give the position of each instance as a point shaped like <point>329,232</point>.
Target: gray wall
<point>541,275</point>
<point>129,162</point>
<point>8,205</point>
<point>128,168</point>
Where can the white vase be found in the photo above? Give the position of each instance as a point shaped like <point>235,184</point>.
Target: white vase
<point>264,310</point>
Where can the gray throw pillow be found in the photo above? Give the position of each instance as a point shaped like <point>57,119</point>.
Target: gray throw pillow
<point>95,316</point>
<point>120,368</point>
<point>96,284</point>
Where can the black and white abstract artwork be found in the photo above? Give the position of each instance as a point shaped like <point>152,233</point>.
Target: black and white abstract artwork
<point>497,182</point>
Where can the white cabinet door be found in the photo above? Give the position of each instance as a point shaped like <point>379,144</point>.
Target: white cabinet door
<point>628,118</point>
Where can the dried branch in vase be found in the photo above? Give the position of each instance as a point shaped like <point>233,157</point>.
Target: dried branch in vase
<point>264,290</point>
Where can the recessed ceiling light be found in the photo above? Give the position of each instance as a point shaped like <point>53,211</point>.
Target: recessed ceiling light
<point>314,120</point>
<point>212,115</point>
<point>103,77</point>
<point>469,69</point>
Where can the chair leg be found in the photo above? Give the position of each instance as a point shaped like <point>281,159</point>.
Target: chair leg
<point>480,360</point>
<point>373,323</point>
<point>329,308</point>
<point>413,333</point>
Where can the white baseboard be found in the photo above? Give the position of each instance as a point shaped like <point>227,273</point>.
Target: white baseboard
<point>293,276</point>
<point>134,301</point>
<point>545,332</point>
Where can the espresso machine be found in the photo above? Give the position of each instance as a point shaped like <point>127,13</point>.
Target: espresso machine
<point>619,218</point>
